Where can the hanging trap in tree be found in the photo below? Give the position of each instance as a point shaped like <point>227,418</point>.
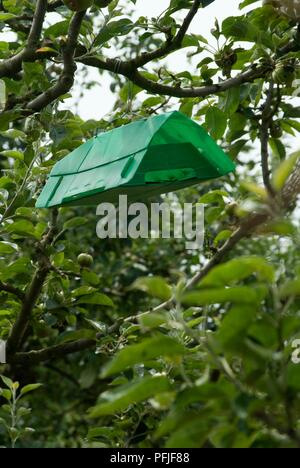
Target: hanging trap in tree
<point>148,157</point>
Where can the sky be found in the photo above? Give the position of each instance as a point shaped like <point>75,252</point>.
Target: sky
<point>99,101</point>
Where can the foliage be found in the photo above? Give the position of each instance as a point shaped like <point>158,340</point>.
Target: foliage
<point>14,412</point>
<point>131,348</point>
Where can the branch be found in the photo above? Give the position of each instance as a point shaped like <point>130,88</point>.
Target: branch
<point>247,227</point>
<point>172,44</point>
<point>12,290</point>
<point>266,120</point>
<point>292,188</point>
<point>13,65</point>
<point>66,80</point>
<point>126,69</point>
<point>53,352</point>
<point>33,292</point>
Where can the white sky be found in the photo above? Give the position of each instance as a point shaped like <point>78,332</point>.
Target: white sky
<point>98,101</point>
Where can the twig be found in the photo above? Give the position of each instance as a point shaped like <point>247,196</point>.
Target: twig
<point>13,65</point>
<point>33,292</point>
<point>53,352</point>
<point>66,80</point>
<point>170,45</point>
<point>12,290</point>
<point>266,121</point>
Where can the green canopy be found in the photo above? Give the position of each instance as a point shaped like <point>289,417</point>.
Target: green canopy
<point>148,157</point>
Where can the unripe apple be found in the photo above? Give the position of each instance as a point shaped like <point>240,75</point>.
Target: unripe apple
<point>284,73</point>
<point>78,5</point>
<point>276,130</point>
<point>85,260</point>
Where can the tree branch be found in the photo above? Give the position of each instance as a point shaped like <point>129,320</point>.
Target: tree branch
<point>266,120</point>
<point>53,352</point>
<point>126,69</point>
<point>12,290</point>
<point>292,188</point>
<point>66,80</point>
<point>172,44</point>
<point>13,65</point>
<point>33,292</point>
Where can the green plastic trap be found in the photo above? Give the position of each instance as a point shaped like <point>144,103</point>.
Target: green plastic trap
<point>148,157</point>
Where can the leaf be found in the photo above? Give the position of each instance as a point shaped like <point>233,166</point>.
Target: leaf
<point>117,400</point>
<point>114,29</point>
<point>8,248</point>
<point>21,227</point>
<point>231,101</point>
<point>257,190</point>
<point>6,16</point>
<point>290,289</point>
<point>30,388</point>
<point>238,294</point>
<point>7,381</point>
<point>215,196</point>
<point>75,222</point>
<point>222,236</point>
<point>216,122</point>
<point>284,171</point>
<point>96,299</point>
<point>246,3</point>
<point>13,154</point>
<point>154,286</point>
<point>192,434</point>
<point>278,148</point>
<point>235,323</point>
<point>57,29</point>
<point>96,432</point>
<point>6,394</point>
<point>83,334</point>
<point>142,352</point>
<point>83,291</point>
<point>237,270</point>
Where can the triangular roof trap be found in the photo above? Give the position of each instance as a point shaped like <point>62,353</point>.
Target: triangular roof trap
<point>148,157</point>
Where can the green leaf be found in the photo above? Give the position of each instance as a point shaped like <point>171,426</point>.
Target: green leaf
<point>290,289</point>
<point>83,334</point>
<point>285,170</point>
<point>7,381</point>
<point>278,148</point>
<point>148,349</point>
<point>8,248</point>
<point>6,16</point>
<point>83,291</point>
<point>96,299</point>
<point>235,324</point>
<point>216,122</point>
<point>6,394</point>
<point>13,154</point>
<point>30,388</point>
<point>22,227</point>
<point>237,270</point>
<point>75,222</point>
<point>238,294</point>
<point>117,400</point>
<point>114,29</point>
<point>230,102</point>
<point>154,286</point>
